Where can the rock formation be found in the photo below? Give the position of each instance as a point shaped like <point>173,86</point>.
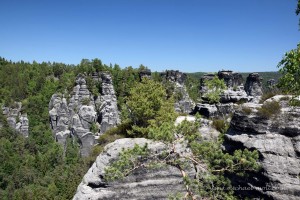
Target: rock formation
<point>231,79</point>
<point>183,102</point>
<point>253,85</point>
<point>236,92</point>
<point>109,113</point>
<point>278,141</point>
<point>145,74</point>
<point>143,183</point>
<point>84,112</point>
<point>16,119</point>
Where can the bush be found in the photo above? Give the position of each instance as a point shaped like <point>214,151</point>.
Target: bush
<point>221,125</point>
<point>246,110</point>
<point>114,133</point>
<point>294,102</point>
<point>267,95</point>
<point>94,128</point>
<point>269,109</point>
<point>86,101</point>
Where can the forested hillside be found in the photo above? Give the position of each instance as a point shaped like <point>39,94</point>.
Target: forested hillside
<point>37,166</point>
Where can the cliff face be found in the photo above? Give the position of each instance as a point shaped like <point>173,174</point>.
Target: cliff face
<point>84,115</point>
<point>278,141</point>
<point>183,102</point>
<point>143,183</point>
<point>16,119</point>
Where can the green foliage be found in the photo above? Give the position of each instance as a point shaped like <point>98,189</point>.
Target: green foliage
<point>215,88</point>
<point>220,125</point>
<point>127,161</point>
<point>148,105</point>
<point>290,70</point>
<point>209,183</point>
<point>94,128</point>
<point>294,102</point>
<point>269,109</point>
<point>86,101</point>
<point>192,86</point>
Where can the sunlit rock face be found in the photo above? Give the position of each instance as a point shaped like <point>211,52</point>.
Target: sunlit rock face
<point>253,85</point>
<point>277,139</point>
<point>84,115</point>
<point>16,119</point>
<point>183,102</point>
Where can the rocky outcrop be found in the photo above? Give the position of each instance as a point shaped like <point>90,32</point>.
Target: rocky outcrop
<point>235,93</point>
<point>231,79</point>
<point>174,76</point>
<point>214,110</point>
<point>253,85</point>
<point>109,113</point>
<point>183,102</point>
<point>142,183</point>
<point>277,140</point>
<point>84,116</point>
<point>146,73</point>
<point>16,119</point>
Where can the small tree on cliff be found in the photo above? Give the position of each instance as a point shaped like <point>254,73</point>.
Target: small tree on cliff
<point>215,88</point>
<point>147,105</point>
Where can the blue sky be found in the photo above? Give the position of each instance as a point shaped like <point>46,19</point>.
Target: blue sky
<point>188,35</point>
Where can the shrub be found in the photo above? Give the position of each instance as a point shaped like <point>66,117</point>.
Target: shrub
<point>285,98</point>
<point>215,88</point>
<point>269,109</point>
<point>221,125</point>
<point>94,128</point>
<point>294,102</point>
<point>114,133</point>
<point>242,101</point>
<point>246,110</point>
<point>267,95</point>
<point>86,101</point>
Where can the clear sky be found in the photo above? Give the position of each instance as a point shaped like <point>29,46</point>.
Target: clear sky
<point>188,35</point>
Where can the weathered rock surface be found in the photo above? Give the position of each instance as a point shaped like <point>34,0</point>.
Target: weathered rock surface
<point>213,110</point>
<point>75,118</point>
<point>253,85</point>
<point>16,119</point>
<point>231,79</point>
<point>109,110</point>
<point>156,183</point>
<point>145,74</point>
<point>236,92</point>
<point>184,104</point>
<point>278,141</point>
